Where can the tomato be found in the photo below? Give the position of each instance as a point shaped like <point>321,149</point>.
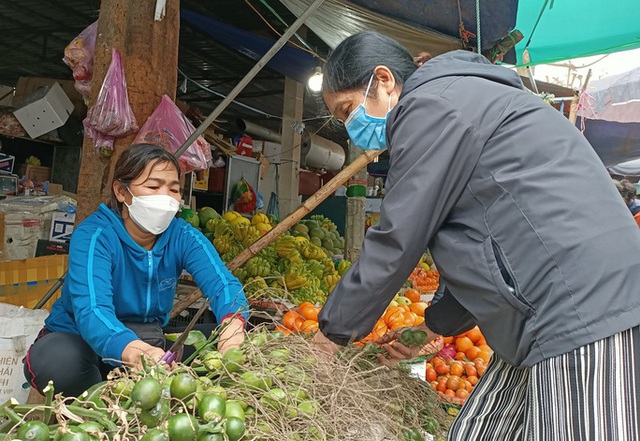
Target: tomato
<point>473,379</point>
<point>146,393</point>
<point>431,374</point>
<point>182,427</point>
<point>460,356</point>
<point>472,352</point>
<point>234,428</point>
<point>34,431</point>
<point>453,382</point>
<point>462,393</point>
<point>289,320</point>
<point>470,370</point>
<point>456,368</point>
<point>442,369</point>
<point>155,435</point>
<point>183,386</point>
<point>309,326</point>
<point>212,407</point>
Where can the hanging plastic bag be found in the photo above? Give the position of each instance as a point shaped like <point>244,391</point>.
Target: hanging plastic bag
<point>111,114</point>
<point>169,128</point>
<point>102,144</point>
<point>244,197</point>
<point>78,55</point>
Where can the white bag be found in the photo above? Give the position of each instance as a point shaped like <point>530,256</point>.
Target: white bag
<point>19,327</point>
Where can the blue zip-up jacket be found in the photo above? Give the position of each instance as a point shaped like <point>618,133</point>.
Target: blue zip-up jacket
<point>112,280</point>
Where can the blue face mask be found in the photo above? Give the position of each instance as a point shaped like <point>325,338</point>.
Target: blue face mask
<point>366,131</point>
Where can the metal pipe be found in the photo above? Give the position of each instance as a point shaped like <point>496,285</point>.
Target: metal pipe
<point>249,76</point>
<point>51,291</point>
<point>257,130</point>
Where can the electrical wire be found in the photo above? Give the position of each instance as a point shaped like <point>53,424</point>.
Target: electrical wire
<point>280,34</point>
<point>273,11</point>
<point>245,106</point>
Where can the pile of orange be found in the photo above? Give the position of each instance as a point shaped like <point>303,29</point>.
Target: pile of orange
<point>454,378</point>
<point>302,319</point>
<point>425,281</point>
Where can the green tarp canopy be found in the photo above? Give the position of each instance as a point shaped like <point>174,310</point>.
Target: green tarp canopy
<point>557,30</point>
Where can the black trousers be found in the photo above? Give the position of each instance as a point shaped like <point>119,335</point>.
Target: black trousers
<point>72,365</point>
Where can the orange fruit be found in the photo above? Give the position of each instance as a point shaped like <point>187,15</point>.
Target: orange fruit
<point>481,368</point>
<point>460,356</point>
<point>447,340</point>
<point>437,360</point>
<point>485,355</point>
<point>456,368</point>
<point>472,352</point>
<point>474,334</point>
<point>418,307</point>
<point>308,311</point>
<point>462,393</point>
<point>463,343</point>
<point>485,348</point>
<point>453,382</point>
<point>412,295</point>
<point>310,326</point>
<point>282,329</point>
<point>442,369</point>
<point>289,320</point>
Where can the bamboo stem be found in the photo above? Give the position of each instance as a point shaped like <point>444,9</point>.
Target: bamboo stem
<point>306,207</point>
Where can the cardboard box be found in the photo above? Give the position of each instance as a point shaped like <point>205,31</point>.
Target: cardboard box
<point>51,248</point>
<point>37,173</point>
<point>61,226</point>
<point>203,182</point>
<point>8,185</point>
<point>6,163</point>
<point>44,110</point>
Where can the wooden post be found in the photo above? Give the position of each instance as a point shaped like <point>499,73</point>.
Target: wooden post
<point>288,186</point>
<point>354,229</point>
<point>149,52</point>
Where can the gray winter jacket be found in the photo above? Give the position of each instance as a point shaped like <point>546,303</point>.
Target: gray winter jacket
<point>527,230</point>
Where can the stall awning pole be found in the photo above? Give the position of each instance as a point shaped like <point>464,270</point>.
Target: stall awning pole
<point>249,76</point>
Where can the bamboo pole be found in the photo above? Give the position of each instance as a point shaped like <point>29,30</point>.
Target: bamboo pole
<point>306,207</point>
<point>573,110</point>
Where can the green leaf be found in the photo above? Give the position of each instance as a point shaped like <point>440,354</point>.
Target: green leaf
<point>195,338</point>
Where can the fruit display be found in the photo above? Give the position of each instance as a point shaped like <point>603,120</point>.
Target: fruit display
<point>459,365</point>
<point>424,277</point>
<point>270,388</point>
<point>296,267</point>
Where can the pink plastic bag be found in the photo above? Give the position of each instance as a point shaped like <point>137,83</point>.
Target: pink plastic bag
<point>78,55</point>
<point>111,114</point>
<point>169,128</point>
<point>102,144</point>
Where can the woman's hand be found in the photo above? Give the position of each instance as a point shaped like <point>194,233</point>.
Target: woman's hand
<point>132,352</point>
<point>232,334</point>
<point>320,343</point>
<point>398,351</point>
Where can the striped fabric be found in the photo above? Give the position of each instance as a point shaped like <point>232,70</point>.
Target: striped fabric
<point>590,394</point>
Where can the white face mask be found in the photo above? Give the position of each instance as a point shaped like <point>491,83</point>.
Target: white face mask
<point>153,213</point>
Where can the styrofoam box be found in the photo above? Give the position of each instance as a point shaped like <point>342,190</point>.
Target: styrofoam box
<point>61,226</point>
<point>45,110</point>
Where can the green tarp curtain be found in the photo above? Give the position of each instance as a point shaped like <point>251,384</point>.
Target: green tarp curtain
<point>575,28</point>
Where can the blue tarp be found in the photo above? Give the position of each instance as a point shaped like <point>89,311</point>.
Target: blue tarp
<point>289,61</point>
<point>614,142</point>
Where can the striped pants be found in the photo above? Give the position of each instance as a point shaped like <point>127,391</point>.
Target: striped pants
<point>589,394</point>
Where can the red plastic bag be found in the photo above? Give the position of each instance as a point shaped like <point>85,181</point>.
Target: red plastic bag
<point>244,197</point>
<point>78,55</point>
<point>169,128</point>
<point>111,114</point>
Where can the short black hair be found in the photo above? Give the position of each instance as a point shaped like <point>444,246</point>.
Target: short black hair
<point>351,64</point>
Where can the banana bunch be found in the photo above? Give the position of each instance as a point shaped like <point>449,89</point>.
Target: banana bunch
<point>324,222</point>
<point>285,245</point>
<point>329,267</point>
<point>227,257</point>
<point>343,266</point>
<point>294,256</point>
<point>307,294</point>
<point>314,268</point>
<point>270,255</point>
<point>253,235</point>
<point>242,230</point>
<point>331,281</point>
<point>241,274</point>
<point>219,227</point>
<point>311,251</point>
<point>223,243</point>
<point>258,267</point>
<point>294,278</point>
<point>255,286</point>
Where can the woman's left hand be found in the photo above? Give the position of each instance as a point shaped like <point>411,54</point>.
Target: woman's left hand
<point>232,334</point>
<point>397,351</point>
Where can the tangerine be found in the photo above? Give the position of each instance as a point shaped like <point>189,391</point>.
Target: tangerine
<point>463,343</point>
<point>310,327</point>
<point>456,368</point>
<point>413,295</point>
<point>453,382</point>
<point>472,352</point>
<point>442,369</point>
<point>309,311</point>
<point>289,320</point>
<point>473,379</point>
<point>474,334</point>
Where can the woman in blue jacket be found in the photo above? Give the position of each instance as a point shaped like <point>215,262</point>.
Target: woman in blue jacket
<point>124,263</point>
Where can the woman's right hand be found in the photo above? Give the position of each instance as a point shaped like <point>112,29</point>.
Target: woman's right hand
<point>132,352</point>
<point>397,351</point>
